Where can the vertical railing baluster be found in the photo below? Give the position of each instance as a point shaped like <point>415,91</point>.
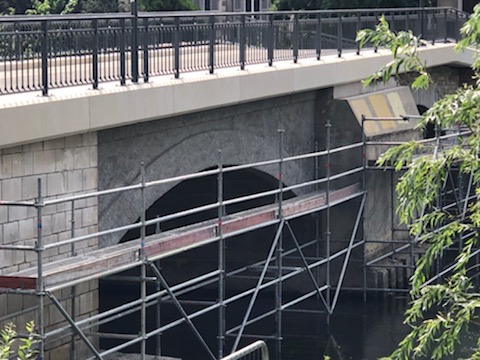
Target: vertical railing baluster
<point>146,44</point>
<point>318,36</point>
<point>296,30</point>
<point>243,36</point>
<point>176,47</point>
<point>270,40</point>
<point>359,26</point>
<point>211,47</point>
<point>339,35</point>
<point>45,57</point>
<point>445,18</point>
<point>434,27</point>
<point>95,54</point>
<point>134,45</point>
<point>122,52</point>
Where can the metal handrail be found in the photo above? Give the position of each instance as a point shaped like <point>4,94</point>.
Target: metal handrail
<point>55,51</point>
<point>248,350</point>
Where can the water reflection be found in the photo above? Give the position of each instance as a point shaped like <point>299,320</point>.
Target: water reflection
<point>357,330</point>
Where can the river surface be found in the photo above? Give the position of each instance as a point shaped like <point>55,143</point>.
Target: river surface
<point>357,330</point>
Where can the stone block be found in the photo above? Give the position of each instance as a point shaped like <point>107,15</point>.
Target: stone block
<point>6,166</point>
<point>17,165</point>
<point>64,159</point>
<point>33,147</point>
<point>90,179</point>
<point>14,303</point>
<point>89,138</point>
<point>11,232</point>
<point>73,141</point>
<point>56,183</point>
<point>27,161</point>
<point>17,213</point>
<point>54,144</point>
<point>27,228</point>
<point>30,187</point>
<point>81,158</point>
<point>13,150</point>
<point>47,224</point>
<point>74,181</point>
<point>44,161</point>
<point>12,189</point>
<point>3,214</point>
<point>93,155</point>
<point>89,216</point>
<point>59,222</point>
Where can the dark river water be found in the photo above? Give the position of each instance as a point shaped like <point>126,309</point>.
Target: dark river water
<point>357,330</point>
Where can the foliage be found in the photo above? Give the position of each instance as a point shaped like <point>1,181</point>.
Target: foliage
<point>166,5</point>
<point>403,45</point>
<point>342,4</point>
<point>95,6</point>
<point>10,340</point>
<point>439,314</point>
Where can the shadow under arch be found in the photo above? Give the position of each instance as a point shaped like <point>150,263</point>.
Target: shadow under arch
<point>241,251</point>
<point>202,191</point>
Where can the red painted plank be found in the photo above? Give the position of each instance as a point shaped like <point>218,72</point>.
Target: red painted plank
<point>18,282</point>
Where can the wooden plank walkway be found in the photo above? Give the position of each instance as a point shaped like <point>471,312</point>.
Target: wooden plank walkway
<point>113,259</point>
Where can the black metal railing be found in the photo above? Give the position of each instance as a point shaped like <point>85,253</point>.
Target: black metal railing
<point>44,52</point>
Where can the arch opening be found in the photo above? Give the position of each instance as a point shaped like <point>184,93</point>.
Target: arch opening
<point>241,251</point>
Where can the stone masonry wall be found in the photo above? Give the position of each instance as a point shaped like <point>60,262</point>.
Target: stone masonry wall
<point>66,166</point>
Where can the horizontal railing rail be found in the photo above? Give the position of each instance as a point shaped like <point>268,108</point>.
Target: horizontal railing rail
<point>45,52</point>
<point>255,351</point>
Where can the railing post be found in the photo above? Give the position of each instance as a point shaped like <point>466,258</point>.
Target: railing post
<point>407,21</point>
<point>359,26</point>
<point>44,57</point>
<point>339,35</point>
<point>176,47</point>
<point>296,31</point>
<point>457,27</point>
<point>271,40</point>
<point>445,17</point>
<point>392,22</point>
<point>134,45</point>
<point>243,44</point>
<point>211,47</point>
<point>146,42</point>
<point>318,36</point>
<point>434,27</point>
<point>122,52</point>
<point>95,54</point>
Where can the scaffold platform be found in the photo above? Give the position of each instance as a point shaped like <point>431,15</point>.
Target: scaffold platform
<point>114,259</point>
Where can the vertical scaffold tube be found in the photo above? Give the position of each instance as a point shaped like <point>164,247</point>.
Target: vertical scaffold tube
<point>73,294</point>
<point>328,127</point>
<point>40,287</point>
<point>279,263</point>
<point>158,317</point>
<point>221,261</point>
<point>364,187</point>
<point>143,284</point>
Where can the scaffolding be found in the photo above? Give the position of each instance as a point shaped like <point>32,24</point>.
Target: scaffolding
<point>401,253</point>
<point>317,197</point>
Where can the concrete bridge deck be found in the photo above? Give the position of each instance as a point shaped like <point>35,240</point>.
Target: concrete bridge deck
<point>80,109</point>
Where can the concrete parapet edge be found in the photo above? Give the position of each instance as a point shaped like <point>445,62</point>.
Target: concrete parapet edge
<point>29,118</point>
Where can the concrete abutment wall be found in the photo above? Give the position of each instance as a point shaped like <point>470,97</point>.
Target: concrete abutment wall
<point>66,166</point>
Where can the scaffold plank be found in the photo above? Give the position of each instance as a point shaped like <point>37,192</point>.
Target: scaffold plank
<point>120,257</point>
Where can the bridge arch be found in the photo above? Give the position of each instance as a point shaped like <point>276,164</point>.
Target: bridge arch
<point>188,155</point>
